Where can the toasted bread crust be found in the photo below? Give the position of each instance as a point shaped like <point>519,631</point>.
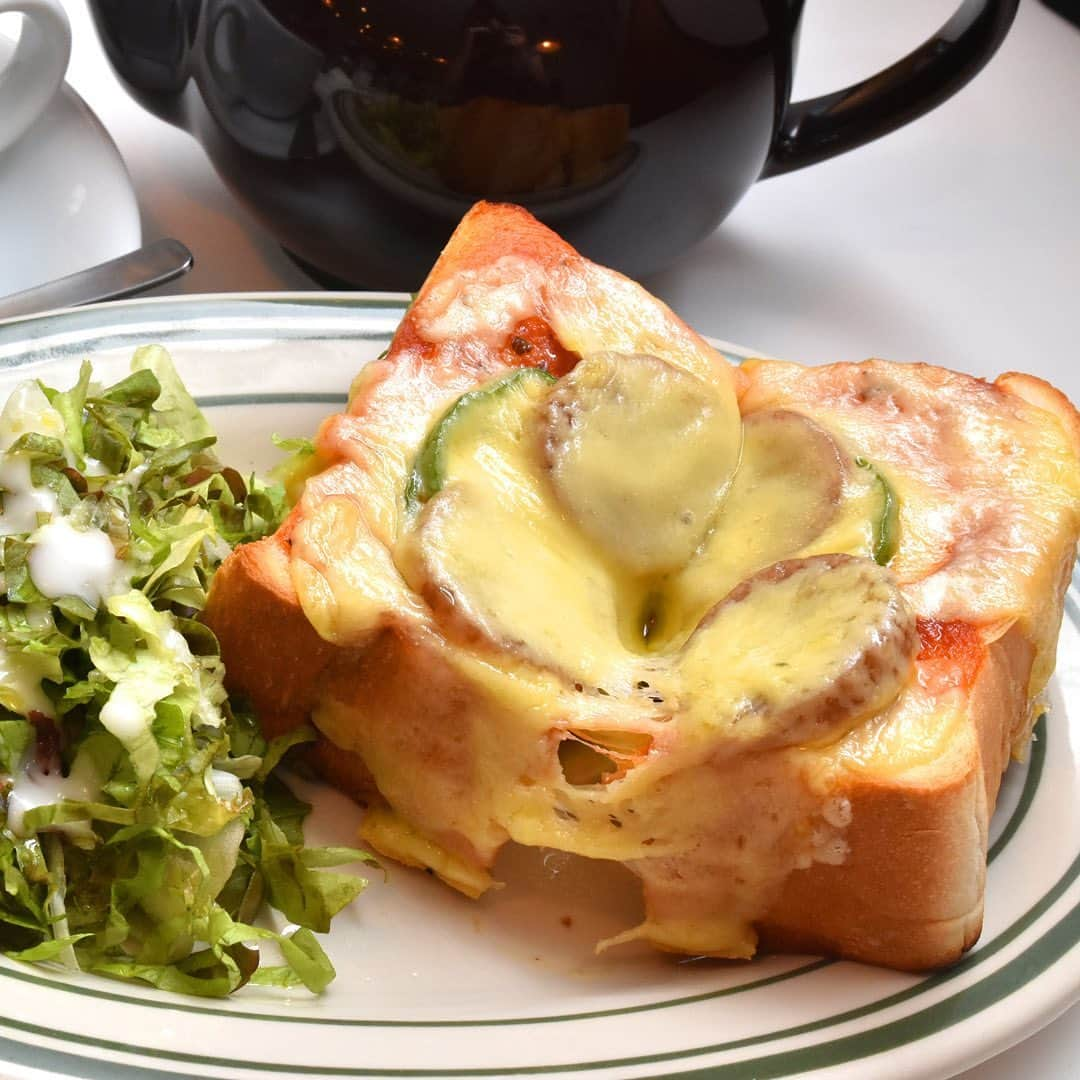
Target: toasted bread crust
<point>501,229</point>
<point>909,893</point>
<point>1042,395</point>
<point>275,657</point>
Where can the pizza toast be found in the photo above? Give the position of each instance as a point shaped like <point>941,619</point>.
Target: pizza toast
<point>562,575</point>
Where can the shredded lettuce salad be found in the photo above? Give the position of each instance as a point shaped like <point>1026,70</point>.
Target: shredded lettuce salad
<point>143,827</point>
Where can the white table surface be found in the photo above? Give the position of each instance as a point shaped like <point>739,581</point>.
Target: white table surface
<point>954,241</point>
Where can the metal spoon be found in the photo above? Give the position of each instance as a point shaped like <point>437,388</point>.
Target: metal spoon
<point>143,268</point>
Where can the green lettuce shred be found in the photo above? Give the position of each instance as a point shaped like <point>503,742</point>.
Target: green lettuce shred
<point>145,831</point>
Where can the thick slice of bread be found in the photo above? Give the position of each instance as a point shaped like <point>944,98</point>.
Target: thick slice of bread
<point>871,846</point>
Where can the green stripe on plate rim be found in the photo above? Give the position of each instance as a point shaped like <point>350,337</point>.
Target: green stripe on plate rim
<point>965,1004</point>
<point>222,401</point>
<point>316,317</point>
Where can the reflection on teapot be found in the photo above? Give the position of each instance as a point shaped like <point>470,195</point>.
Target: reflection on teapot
<point>442,158</point>
<point>257,80</point>
<point>492,119</point>
<point>360,130</point>
<point>437,131</point>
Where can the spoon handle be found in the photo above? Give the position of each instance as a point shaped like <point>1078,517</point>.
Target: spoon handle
<point>145,267</point>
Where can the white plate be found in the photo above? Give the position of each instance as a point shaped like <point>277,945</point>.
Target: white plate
<point>66,200</point>
<point>430,984</point>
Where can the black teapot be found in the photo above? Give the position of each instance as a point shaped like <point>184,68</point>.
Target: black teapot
<point>359,131</point>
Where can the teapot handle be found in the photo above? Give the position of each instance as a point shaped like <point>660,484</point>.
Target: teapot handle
<point>818,128</point>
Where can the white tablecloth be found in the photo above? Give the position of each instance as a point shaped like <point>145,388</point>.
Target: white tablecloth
<point>955,240</point>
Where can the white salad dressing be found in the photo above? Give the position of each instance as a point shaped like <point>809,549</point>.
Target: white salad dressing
<point>65,561</point>
<point>22,501</point>
<point>227,787</point>
<point>124,714</point>
<point>34,788</point>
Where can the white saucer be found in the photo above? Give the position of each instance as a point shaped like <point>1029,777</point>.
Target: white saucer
<point>66,200</point>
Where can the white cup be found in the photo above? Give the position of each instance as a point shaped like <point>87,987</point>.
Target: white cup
<point>36,68</point>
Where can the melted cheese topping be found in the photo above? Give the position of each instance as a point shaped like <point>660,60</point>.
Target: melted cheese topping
<point>988,486</point>
<point>480,306</point>
<point>653,516</point>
